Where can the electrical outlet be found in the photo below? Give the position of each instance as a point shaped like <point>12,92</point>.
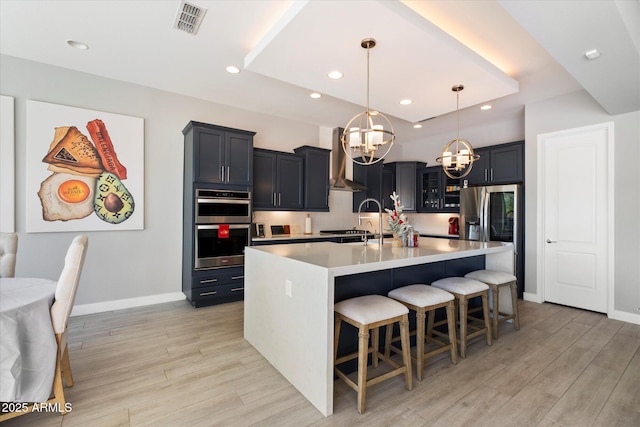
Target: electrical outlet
<point>287,287</point>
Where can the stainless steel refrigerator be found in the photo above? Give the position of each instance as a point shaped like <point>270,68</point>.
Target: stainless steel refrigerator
<point>495,213</point>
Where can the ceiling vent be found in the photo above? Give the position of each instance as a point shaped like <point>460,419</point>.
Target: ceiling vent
<point>189,17</point>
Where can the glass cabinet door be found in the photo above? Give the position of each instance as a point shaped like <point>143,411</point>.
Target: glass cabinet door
<point>451,193</point>
<point>431,190</point>
<point>437,192</point>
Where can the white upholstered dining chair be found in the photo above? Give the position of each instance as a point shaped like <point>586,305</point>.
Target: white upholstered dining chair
<point>61,310</point>
<point>64,297</point>
<point>8,253</point>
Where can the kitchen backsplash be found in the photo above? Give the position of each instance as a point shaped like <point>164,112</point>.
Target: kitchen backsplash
<point>341,217</point>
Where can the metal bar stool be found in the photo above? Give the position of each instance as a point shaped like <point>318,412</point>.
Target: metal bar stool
<point>426,299</point>
<point>369,313</point>
<point>496,280</point>
<point>463,290</point>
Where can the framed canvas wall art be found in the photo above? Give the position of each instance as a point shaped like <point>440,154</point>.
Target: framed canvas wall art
<point>85,169</point>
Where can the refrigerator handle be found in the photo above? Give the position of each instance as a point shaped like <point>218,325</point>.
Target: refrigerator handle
<point>484,214</point>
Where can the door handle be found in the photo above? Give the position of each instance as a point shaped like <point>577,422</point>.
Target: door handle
<point>228,169</point>
<point>551,241</point>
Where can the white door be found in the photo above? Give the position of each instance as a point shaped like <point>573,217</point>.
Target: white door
<point>576,208</point>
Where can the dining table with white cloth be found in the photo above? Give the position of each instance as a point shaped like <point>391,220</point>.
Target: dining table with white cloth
<point>27,340</point>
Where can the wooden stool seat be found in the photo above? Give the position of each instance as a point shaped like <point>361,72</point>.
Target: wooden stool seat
<point>496,280</point>
<point>426,299</point>
<point>464,289</point>
<point>369,313</point>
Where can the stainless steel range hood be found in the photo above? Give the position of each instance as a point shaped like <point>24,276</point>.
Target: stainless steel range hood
<point>338,167</point>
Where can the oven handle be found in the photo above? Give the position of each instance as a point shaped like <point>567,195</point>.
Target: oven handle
<point>224,201</point>
<point>217,226</point>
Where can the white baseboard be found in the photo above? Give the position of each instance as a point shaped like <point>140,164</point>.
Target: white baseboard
<point>624,316</point>
<point>101,307</point>
<point>615,314</point>
<point>532,297</point>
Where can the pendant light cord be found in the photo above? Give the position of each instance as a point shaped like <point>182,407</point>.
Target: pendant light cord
<point>368,50</point>
<point>458,110</point>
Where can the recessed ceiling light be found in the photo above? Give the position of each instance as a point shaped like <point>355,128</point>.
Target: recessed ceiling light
<point>486,107</point>
<point>592,54</point>
<point>335,75</point>
<point>233,69</point>
<point>417,126</point>
<point>77,44</point>
<point>406,102</point>
<point>315,95</point>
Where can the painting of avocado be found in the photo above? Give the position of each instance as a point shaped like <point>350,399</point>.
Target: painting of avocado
<point>85,169</point>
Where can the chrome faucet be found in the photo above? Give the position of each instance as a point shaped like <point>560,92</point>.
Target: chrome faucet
<point>379,219</point>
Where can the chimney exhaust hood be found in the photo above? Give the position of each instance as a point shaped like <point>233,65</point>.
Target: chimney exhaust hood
<point>339,165</point>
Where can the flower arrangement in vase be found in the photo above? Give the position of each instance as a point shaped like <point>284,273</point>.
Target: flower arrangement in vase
<point>398,222</point>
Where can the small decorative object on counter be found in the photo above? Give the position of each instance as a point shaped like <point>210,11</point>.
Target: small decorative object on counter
<point>307,224</point>
<point>398,223</point>
<point>412,237</point>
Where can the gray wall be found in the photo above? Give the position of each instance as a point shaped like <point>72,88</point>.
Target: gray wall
<point>576,110</point>
<point>127,264</point>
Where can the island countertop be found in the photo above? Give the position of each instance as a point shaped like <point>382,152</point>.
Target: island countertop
<point>353,258</point>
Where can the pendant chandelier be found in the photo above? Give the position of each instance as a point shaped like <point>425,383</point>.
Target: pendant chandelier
<point>457,156</point>
<point>365,136</point>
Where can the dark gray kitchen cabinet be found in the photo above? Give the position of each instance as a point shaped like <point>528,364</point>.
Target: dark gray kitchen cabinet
<point>316,177</point>
<point>221,158</point>
<point>219,155</point>
<point>388,185</point>
<point>371,177</point>
<point>498,164</point>
<point>437,192</point>
<point>277,180</point>
<point>404,183</point>
<point>216,286</point>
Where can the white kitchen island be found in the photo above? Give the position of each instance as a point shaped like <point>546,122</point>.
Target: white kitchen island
<point>290,291</point>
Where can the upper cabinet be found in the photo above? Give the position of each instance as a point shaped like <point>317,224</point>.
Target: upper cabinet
<point>278,180</point>
<point>404,183</point>
<point>371,177</point>
<point>218,155</point>
<point>316,177</point>
<point>436,191</point>
<point>388,186</point>
<point>498,164</point>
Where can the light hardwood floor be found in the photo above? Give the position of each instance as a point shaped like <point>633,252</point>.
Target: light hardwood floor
<point>172,365</point>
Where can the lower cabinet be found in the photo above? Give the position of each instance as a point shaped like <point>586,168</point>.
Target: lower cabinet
<point>216,286</point>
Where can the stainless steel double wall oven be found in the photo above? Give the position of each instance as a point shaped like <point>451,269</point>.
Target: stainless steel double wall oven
<point>222,227</point>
